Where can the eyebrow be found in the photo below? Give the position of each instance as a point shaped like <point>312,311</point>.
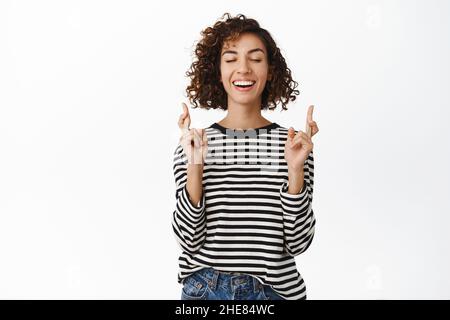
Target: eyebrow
<point>250,51</point>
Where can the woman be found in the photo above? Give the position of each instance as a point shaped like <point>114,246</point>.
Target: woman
<point>244,185</point>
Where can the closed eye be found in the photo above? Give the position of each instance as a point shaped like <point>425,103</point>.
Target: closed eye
<point>250,60</point>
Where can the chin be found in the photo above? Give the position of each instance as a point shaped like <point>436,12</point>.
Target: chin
<point>245,101</point>
<point>242,99</point>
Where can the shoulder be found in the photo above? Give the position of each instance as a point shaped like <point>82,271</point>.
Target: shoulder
<point>280,129</point>
<point>178,150</point>
<point>179,157</point>
<point>285,129</point>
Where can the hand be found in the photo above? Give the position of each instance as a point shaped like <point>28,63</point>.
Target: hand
<point>298,146</point>
<point>193,141</point>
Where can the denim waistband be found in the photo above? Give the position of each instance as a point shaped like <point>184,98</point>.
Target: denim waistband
<point>214,277</point>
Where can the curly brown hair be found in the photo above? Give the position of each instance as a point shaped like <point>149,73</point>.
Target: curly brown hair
<point>206,90</point>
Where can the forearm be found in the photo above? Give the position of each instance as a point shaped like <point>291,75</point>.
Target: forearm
<point>194,182</point>
<point>296,180</point>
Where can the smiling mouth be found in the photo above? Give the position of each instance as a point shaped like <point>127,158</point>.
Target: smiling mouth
<point>244,85</point>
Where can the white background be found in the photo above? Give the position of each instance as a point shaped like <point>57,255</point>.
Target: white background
<point>90,94</point>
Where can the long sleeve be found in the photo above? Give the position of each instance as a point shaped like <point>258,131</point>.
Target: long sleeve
<point>298,215</point>
<point>188,222</point>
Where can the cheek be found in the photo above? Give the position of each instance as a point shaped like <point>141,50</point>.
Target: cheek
<point>262,76</point>
<point>263,72</point>
<point>224,74</point>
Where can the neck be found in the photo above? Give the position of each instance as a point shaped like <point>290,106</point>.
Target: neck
<point>244,117</point>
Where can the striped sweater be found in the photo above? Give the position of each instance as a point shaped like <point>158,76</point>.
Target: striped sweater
<point>246,221</point>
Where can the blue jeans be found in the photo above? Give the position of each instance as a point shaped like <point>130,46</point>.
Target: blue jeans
<point>211,284</point>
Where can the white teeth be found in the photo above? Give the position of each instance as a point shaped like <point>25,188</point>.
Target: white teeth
<point>243,83</point>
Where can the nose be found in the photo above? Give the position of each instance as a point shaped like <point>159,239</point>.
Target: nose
<point>243,67</point>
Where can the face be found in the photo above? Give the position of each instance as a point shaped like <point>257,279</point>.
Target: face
<point>244,59</point>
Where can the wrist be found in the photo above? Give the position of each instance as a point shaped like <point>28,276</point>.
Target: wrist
<point>295,180</point>
<point>195,169</point>
<point>194,166</point>
<point>295,171</point>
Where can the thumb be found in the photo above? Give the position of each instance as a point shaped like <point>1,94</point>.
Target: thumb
<point>185,110</point>
<point>186,122</point>
<point>198,137</point>
<point>291,133</point>
<point>204,138</point>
